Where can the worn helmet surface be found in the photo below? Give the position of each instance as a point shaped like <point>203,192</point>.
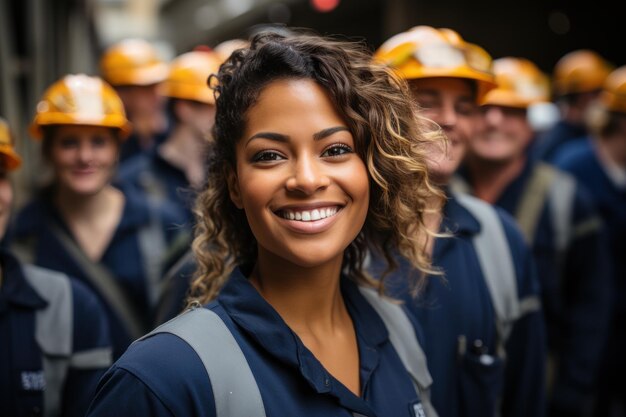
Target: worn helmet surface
<point>427,52</point>
<point>189,75</point>
<point>80,100</point>
<point>520,84</point>
<point>11,159</point>
<point>132,62</point>
<point>614,91</point>
<point>580,71</point>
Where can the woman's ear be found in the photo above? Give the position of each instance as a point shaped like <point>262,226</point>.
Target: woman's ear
<point>233,187</point>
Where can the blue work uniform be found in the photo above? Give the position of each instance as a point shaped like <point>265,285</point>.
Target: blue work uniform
<point>457,316</point>
<point>548,144</point>
<point>582,161</point>
<point>131,264</point>
<point>292,382</point>
<point>130,147</point>
<point>575,283</point>
<point>156,177</point>
<point>24,379</point>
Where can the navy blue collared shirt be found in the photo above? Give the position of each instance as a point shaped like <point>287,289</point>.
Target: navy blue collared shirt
<point>456,310</point>
<point>291,380</point>
<point>22,377</point>
<point>123,257</point>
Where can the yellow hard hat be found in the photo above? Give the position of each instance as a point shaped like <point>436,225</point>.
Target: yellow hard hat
<point>226,48</point>
<point>580,71</point>
<point>614,92</point>
<point>132,62</point>
<point>11,159</point>
<point>520,84</point>
<point>80,100</point>
<point>189,74</point>
<point>427,52</point>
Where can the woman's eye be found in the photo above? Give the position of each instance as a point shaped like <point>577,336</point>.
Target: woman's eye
<point>337,150</point>
<point>267,156</point>
<point>68,142</point>
<point>99,141</point>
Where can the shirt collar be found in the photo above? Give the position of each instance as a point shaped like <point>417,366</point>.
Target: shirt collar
<point>249,310</point>
<point>15,289</point>
<point>457,219</point>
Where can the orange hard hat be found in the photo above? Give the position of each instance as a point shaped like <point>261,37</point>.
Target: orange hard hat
<point>427,52</point>
<point>132,62</point>
<point>226,48</point>
<point>520,84</point>
<point>12,160</point>
<point>580,71</point>
<point>80,100</point>
<point>614,91</point>
<point>189,74</point>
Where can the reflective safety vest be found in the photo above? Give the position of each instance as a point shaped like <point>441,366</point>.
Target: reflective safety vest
<point>496,264</point>
<point>54,335</point>
<point>235,390</point>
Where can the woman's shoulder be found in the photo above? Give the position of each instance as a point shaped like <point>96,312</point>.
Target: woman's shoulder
<point>158,375</point>
<point>32,216</point>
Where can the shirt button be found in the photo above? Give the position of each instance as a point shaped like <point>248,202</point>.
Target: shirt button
<point>326,381</point>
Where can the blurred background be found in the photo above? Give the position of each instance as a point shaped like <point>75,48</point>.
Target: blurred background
<point>42,40</point>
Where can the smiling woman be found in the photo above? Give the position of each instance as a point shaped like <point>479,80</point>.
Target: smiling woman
<point>318,156</point>
<point>81,224</point>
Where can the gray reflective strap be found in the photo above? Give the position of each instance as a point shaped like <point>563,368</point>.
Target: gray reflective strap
<point>105,283</point>
<point>92,359</point>
<point>561,199</point>
<point>153,247</point>
<point>234,388</point>
<point>533,200</point>
<point>496,263</point>
<point>53,331</point>
<point>404,340</point>
<point>458,184</point>
<point>151,185</point>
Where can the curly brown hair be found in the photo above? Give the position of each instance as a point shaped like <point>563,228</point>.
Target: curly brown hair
<point>389,135</point>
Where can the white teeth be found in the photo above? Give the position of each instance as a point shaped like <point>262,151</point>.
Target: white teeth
<point>310,215</point>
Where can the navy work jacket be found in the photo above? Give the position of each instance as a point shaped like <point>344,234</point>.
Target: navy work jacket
<point>123,257</point>
<point>457,317</point>
<point>22,377</point>
<point>291,380</point>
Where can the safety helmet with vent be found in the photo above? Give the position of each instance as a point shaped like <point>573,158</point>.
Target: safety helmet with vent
<point>80,100</point>
<point>132,62</point>
<point>427,52</point>
<point>520,84</point>
<point>11,159</point>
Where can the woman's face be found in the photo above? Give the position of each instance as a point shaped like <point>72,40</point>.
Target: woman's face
<point>6,200</point>
<point>304,190</point>
<point>84,158</point>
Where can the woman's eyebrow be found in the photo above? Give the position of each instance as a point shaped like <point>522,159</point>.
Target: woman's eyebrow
<point>269,135</point>
<point>329,131</point>
<point>279,137</point>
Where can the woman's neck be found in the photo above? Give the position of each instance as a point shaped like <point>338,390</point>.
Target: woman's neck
<point>308,299</point>
<point>80,206</point>
<point>490,179</point>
